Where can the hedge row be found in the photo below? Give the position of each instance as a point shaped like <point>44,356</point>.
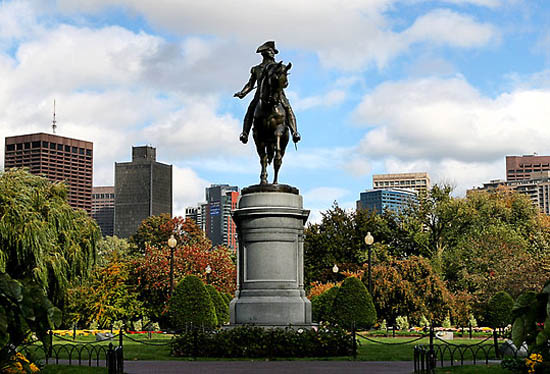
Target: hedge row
<point>255,342</point>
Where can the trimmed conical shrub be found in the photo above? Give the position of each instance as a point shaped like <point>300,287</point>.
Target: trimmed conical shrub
<point>353,303</point>
<point>191,304</point>
<point>222,311</point>
<point>499,310</point>
<point>321,306</point>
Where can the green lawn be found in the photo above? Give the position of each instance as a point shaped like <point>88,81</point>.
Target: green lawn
<point>367,351</point>
<point>64,369</point>
<point>470,369</point>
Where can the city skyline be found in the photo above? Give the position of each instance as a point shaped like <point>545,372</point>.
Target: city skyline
<point>449,87</point>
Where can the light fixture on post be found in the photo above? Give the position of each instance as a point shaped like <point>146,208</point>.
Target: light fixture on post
<point>172,242</point>
<point>368,241</point>
<point>335,269</point>
<point>208,270</point>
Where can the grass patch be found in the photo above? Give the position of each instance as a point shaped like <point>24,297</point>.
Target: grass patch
<point>65,369</point>
<point>367,351</point>
<point>472,369</point>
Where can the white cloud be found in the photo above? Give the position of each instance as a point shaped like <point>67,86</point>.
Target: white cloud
<point>188,189</point>
<point>324,195</point>
<point>448,127</point>
<point>445,27</point>
<point>195,131</point>
<point>347,35</point>
<point>331,98</point>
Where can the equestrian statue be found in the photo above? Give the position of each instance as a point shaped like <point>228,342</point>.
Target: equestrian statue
<point>269,114</point>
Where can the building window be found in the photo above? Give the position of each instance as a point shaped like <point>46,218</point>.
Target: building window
<point>10,147</point>
<point>52,145</point>
<point>75,149</point>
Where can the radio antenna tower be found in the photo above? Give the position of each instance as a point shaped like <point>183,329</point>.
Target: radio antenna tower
<point>54,122</point>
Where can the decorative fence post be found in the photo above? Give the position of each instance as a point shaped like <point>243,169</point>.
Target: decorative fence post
<point>495,340</point>
<point>431,354</point>
<point>354,341</point>
<point>470,326</point>
<point>50,348</point>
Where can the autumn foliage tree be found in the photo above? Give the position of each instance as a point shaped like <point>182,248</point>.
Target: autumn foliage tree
<point>193,253</point>
<point>410,288</point>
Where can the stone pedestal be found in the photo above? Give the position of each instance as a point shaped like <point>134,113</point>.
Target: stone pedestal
<point>270,268</point>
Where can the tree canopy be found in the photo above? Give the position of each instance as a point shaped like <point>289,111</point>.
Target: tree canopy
<point>42,238</point>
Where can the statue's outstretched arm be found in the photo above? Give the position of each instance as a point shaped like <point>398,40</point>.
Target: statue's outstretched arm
<point>249,86</point>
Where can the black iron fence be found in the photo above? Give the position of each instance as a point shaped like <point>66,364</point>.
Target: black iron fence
<point>443,353</point>
<point>73,352</point>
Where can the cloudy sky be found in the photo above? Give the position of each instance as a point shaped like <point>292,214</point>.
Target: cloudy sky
<point>450,86</point>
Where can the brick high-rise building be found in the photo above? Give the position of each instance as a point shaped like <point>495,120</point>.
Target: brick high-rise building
<point>415,181</point>
<point>143,188</point>
<point>103,208</point>
<point>523,167</point>
<point>57,158</point>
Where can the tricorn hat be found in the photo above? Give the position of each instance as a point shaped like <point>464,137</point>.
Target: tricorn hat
<point>266,46</point>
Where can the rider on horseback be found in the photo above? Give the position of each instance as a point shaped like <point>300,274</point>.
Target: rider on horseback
<point>268,52</point>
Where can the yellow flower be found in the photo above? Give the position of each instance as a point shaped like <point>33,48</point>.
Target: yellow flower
<point>18,366</point>
<point>34,368</point>
<point>21,357</point>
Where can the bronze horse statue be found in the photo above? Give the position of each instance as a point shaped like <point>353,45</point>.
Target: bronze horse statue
<point>270,125</point>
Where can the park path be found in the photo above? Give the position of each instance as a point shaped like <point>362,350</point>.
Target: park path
<point>268,367</point>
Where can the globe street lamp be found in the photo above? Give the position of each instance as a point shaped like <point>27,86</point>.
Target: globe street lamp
<point>208,270</point>
<point>172,242</point>
<point>335,269</point>
<point>368,241</point>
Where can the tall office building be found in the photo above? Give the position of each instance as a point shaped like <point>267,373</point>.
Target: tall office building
<point>523,167</point>
<point>198,215</point>
<point>415,181</point>
<point>395,199</point>
<point>103,208</point>
<point>57,158</point>
<point>537,188</point>
<point>143,188</point>
<point>221,200</point>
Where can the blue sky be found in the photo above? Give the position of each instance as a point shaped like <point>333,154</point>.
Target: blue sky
<point>449,87</point>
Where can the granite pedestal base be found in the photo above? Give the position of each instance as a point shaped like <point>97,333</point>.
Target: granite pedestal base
<point>270,267</point>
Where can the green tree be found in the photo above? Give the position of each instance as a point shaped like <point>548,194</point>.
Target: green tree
<point>43,239</point>
<point>321,306</point>
<point>222,310</point>
<point>24,310</point>
<point>191,304</point>
<point>409,287</point>
<point>108,295</point>
<point>156,230</point>
<point>353,304</point>
<point>339,239</point>
<point>499,310</point>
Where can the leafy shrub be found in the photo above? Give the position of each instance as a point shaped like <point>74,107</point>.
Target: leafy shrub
<point>472,321</point>
<point>531,324</point>
<point>253,342</point>
<point>499,310</point>
<point>424,322</point>
<point>353,304</point>
<point>321,306</point>
<point>446,322</point>
<point>402,322</point>
<point>222,311</point>
<point>191,304</point>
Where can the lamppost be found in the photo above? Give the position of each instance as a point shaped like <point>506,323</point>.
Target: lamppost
<point>208,270</point>
<point>368,241</point>
<point>335,269</point>
<point>172,242</point>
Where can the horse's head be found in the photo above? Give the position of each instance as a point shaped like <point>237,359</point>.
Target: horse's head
<point>275,78</point>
